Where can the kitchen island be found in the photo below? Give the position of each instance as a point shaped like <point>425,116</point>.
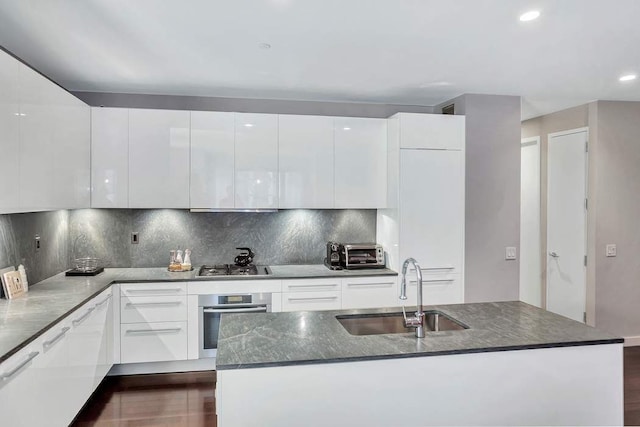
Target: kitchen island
<point>514,364</point>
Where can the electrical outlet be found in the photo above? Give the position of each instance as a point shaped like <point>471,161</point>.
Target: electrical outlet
<point>37,242</point>
<point>612,250</point>
<point>510,253</point>
<point>135,238</point>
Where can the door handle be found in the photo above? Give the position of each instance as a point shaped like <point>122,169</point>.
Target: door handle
<point>554,255</point>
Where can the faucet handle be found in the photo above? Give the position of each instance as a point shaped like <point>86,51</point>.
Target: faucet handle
<point>411,322</point>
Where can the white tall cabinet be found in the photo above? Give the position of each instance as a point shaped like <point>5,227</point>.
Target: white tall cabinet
<point>159,158</point>
<point>9,133</point>
<point>306,161</point>
<point>425,218</point>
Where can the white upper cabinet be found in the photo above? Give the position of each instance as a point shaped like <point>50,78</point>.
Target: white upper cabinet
<point>431,131</point>
<point>306,161</point>
<point>212,159</point>
<point>158,158</point>
<point>360,162</point>
<point>256,161</point>
<point>110,157</point>
<point>55,143</point>
<point>9,133</point>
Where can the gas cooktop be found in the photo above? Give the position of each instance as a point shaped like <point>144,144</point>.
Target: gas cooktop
<point>233,270</point>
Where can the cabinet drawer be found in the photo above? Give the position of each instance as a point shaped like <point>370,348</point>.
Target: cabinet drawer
<point>370,292</point>
<point>311,285</point>
<point>153,342</point>
<point>437,289</point>
<point>304,301</point>
<point>153,309</point>
<point>152,289</point>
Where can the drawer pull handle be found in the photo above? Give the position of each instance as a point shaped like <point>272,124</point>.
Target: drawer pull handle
<point>326,285</point>
<point>153,331</point>
<point>131,304</point>
<point>57,338</point>
<point>103,301</point>
<point>413,270</point>
<point>313,299</point>
<point>433,281</point>
<point>236,310</point>
<point>82,318</point>
<point>154,290</point>
<point>371,285</point>
<point>12,372</point>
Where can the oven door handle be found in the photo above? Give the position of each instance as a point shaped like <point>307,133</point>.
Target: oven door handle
<point>235,310</point>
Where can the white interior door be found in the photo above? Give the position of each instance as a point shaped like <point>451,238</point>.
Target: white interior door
<point>530,275</point>
<point>566,223</point>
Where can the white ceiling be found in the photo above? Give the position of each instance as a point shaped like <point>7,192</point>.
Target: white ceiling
<point>419,52</point>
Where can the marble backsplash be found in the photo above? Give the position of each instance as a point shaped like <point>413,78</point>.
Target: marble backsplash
<point>283,237</point>
<point>17,245</point>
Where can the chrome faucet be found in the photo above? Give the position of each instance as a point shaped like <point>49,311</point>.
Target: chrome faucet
<point>416,321</point>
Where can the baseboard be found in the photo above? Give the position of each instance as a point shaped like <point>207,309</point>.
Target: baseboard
<point>208,364</point>
<point>631,341</point>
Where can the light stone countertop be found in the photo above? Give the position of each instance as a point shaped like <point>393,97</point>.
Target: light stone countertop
<point>25,318</point>
<point>312,337</point>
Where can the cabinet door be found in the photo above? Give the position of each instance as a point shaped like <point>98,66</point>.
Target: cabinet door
<point>71,159</point>
<point>311,301</point>
<point>9,133</point>
<point>158,159</point>
<point>436,289</point>
<point>18,383</point>
<point>212,159</point>
<point>103,324</point>
<point>256,161</point>
<point>360,162</point>
<point>109,158</point>
<point>370,292</point>
<point>305,161</point>
<point>37,142</point>
<point>432,208</point>
<point>432,131</point>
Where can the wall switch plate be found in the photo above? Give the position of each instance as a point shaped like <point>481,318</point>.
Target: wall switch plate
<point>510,253</point>
<point>612,250</point>
<point>135,238</point>
<point>37,242</point>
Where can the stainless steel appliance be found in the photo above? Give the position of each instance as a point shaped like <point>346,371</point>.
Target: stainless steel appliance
<point>361,255</point>
<point>212,307</point>
<point>333,256</point>
<point>233,270</point>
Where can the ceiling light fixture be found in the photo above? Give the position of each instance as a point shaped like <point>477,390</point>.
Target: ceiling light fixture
<point>628,77</point>
<point>346,128</point>
<point>529,16</point>
<point>248,125</point>
<point>264,46</point>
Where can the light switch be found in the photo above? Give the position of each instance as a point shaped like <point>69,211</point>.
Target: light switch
<point>612,250</point>
<point>510,253</point>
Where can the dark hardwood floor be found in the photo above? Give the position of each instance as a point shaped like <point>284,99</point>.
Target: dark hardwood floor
<point>185,399</point>
<point>188,399</point>
<point>632,386</point>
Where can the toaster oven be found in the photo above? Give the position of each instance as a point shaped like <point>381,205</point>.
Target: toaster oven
<point>362,255</point>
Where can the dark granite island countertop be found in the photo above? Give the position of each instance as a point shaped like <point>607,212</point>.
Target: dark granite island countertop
<point>299,338</point>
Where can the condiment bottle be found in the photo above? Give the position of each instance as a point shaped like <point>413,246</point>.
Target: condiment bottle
<point>186,264</point>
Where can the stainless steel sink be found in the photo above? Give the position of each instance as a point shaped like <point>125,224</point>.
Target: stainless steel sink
<point>393,323</point>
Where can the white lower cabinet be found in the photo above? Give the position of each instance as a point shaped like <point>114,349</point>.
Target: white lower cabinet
<point>153,322</point>
<point>153,342</point>
<point>370,292</point>
<point>60,369</point>
<point>444,288</point>
<point>309,301</point>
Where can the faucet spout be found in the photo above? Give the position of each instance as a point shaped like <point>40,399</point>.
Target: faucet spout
<point>416,321</point>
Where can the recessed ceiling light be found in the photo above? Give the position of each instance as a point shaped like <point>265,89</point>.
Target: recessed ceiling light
<point>248,125</point>
<point>346,128</point>
<point>264,46</point>
<point>530,16</point>
<point>628,77</point>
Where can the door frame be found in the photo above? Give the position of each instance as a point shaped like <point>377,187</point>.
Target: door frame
<point>537,140</point>
<point>584,129</point>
